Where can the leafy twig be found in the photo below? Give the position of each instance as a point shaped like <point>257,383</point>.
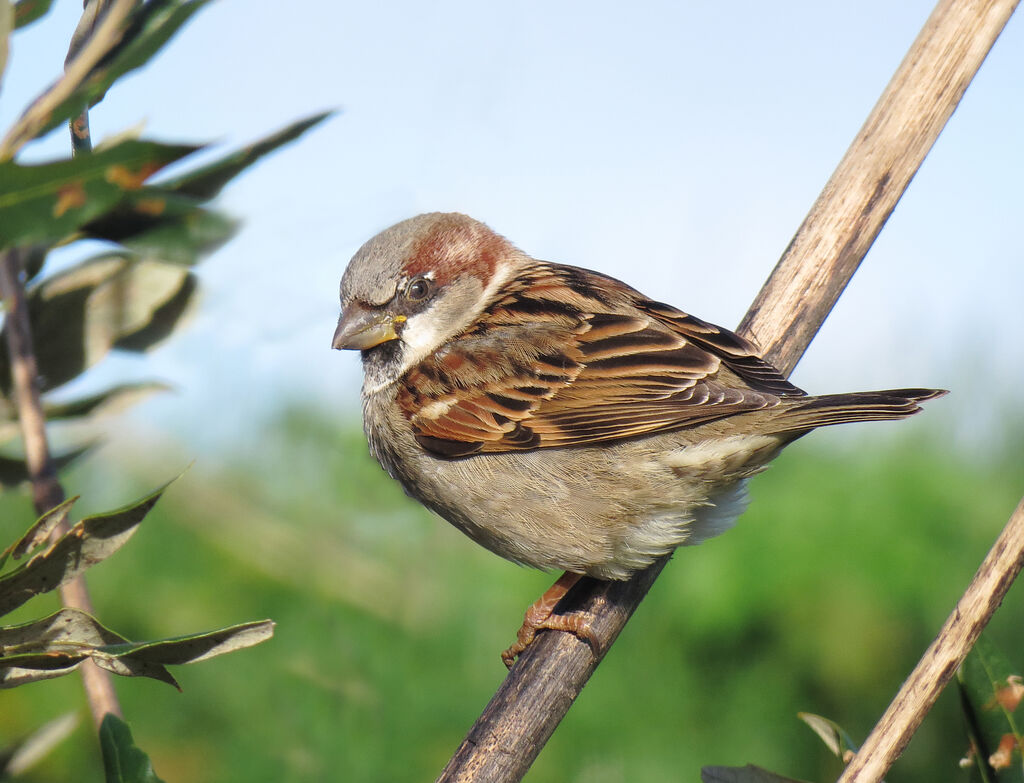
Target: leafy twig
<point>105,37</point>
<point>47,492</point>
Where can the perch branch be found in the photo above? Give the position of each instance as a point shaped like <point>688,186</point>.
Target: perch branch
<point>783,319</point>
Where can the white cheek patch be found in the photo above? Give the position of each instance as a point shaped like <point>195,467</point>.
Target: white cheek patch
<point>421,335</point>
<point>425,332</point>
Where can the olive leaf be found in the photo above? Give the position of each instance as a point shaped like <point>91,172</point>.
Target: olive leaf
<point>123,760</point>
<point>834,736</point>
<point>55,645</point>
<point>39,533</point>
<point>14,472</point>
<point>88,542</point>
<point>110,400</point>
<point>46,202</point>
<point>206,181</point>
<point>28,11</point>
<point>163,225</point>
<point>147,28</point>
<point>747,774</point>
<point>113,300</point>
<point>991,690</point>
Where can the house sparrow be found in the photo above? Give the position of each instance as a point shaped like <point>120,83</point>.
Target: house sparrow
<point>557,416</point>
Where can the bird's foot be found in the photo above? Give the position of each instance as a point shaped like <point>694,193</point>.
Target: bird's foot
<point>541,616</point>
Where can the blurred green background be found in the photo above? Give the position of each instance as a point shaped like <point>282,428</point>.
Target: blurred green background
<point>390,622</point>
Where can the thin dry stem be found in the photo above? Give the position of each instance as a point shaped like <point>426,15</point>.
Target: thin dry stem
<point>962,628</point>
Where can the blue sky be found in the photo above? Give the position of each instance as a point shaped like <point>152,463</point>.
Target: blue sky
<point>674,145</point>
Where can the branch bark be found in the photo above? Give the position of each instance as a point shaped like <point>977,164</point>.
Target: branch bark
<point>785,316</point>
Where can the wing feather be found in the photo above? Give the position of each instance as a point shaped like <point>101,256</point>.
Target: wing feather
<point>567,357</point>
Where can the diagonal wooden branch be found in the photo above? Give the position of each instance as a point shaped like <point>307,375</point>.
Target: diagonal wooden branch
<point>806,283</point>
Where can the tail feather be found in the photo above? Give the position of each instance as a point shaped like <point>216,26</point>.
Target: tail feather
<point>854,406</point>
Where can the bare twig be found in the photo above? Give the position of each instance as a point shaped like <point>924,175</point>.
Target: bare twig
<point>46,489</point>
<point>786,315</point>
<point>961,630</point>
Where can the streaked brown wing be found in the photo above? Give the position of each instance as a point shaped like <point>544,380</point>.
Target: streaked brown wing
<point>566,359</point>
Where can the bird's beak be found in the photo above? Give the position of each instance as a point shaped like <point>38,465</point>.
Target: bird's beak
<point>360,329</point>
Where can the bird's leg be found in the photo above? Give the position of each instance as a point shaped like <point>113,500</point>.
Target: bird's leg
<point>539,616</point>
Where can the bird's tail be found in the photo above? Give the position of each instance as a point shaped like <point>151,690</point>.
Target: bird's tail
<point>854,406</point>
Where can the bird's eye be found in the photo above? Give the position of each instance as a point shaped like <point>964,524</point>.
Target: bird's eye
<point>418,289</point>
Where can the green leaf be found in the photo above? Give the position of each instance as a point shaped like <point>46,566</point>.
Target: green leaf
<point>834,736</point>
<point>194,647</point>
<point>45,203</point>
<point>163,319</point>
<point>123,761</point>
<point>32,259</point>
<point>105,402</point>
<point>13,471</point>
<point>39,533</point>
<point>112,300</point>
<point>165,226</point>
<point>91,540</point>
<point>747,774</point>
<point>206,182</point>
<point>57,644</point>
<point>991,691</point>
<point>28,11</point>
<point>145,31</point>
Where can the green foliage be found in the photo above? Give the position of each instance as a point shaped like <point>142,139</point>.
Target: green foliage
<point>123,761</point>
<point>991,689</point>
<point>129,298</point>
<point>748,774</point>
<point>57,644</point>
<point>131,45</point>
<point>109,301</point>
<point>48,202</point>
<point>28,11</point>
<point>136,294</point>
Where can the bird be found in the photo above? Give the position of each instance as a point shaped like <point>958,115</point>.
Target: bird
<point>558,416</point>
